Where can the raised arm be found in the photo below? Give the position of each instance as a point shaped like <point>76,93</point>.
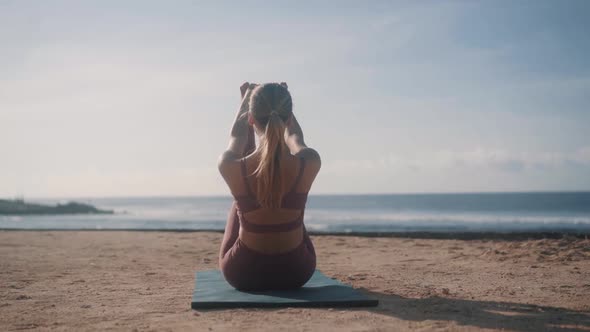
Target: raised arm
<point>296,144</point>
<point>241,141</point>
<point>294,136</point>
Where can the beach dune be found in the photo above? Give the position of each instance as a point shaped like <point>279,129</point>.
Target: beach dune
<point>104,280</point>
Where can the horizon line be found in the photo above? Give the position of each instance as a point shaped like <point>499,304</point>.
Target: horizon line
<point>585,191</point>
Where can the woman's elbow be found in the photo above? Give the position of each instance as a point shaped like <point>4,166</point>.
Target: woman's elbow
<point>224,160</point>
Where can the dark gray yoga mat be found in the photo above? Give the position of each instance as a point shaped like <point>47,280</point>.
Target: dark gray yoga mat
<point>213,292</point>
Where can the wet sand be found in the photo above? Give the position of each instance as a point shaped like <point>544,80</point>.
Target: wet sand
<point>104,280</point>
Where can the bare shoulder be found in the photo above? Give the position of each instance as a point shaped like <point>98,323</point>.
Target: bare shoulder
<point>311,157</point>
<point>228,163</point>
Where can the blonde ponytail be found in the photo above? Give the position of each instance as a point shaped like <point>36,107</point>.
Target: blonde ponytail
<point>271,107</point>
<point>268,171</point>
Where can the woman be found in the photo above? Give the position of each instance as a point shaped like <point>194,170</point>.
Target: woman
<point>265,245</point>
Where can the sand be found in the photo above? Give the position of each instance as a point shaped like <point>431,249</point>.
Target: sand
<point>99,280</point>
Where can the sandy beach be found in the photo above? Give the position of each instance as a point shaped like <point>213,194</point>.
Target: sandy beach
<point>102,280</point>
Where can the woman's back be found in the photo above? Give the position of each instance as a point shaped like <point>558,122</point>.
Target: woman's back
<point>273,230</point>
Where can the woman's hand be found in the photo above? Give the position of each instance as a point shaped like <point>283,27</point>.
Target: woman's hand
<point>246,91</point>
<point>243,88</point>
<point>241,126</point>
<point>246,86</point>
<point>251,86</point>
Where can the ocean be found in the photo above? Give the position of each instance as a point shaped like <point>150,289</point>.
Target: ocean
<point>567,212</point>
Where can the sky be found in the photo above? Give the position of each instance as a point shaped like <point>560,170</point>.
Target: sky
<point>136,98</point>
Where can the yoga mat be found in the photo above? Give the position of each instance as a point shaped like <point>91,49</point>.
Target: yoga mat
<point>213,292</point>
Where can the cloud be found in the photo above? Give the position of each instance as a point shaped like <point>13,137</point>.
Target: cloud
<point>94,182</point>
<point>485,158</point>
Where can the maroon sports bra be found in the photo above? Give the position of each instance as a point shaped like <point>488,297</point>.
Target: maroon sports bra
<point>291,200</point>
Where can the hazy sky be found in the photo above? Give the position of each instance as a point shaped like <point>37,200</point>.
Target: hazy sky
<point>114,98</point>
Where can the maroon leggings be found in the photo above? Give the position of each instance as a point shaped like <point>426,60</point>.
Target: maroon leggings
<point>247,269</point>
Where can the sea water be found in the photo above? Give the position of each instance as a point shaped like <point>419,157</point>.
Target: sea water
<point>470,212</point>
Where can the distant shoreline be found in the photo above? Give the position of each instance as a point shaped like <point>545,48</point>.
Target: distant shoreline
<point>18,207</point>
<point>409,235</point>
